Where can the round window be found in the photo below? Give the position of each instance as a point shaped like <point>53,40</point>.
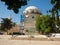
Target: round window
<point>32,17</point>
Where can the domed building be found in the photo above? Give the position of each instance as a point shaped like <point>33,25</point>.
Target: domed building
<point>30,14</point>
<point>31,10</point>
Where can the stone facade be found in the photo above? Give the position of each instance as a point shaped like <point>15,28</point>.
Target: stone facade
<point>30,14</point>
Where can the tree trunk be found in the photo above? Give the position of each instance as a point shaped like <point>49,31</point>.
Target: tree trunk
<point>53,21</point>
<point>57,17</point>
<point>7,32</point>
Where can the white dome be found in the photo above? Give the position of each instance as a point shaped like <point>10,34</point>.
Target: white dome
<point>31,9</point>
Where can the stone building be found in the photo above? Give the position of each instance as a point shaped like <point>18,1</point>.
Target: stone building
<point>30,14</point>
<point>29,21</point>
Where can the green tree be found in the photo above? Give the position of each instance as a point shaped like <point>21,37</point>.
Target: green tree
<point>44,24</point>
<point>38,23</point>
<point>56,9</point>
<point>6,24</point>
<point>15,4</point>
<point>13,24</point>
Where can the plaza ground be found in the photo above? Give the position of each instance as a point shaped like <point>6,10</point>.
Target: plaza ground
<point>6,40</point>
<point>28,42</point>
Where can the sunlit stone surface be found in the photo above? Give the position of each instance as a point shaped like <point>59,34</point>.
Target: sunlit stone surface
<point>30,14</point>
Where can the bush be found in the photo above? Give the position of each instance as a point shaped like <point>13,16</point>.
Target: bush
<point>47,31</point>
<point>43,24</point>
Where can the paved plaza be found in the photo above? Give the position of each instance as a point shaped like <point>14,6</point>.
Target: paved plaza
<point>5,40</point>
<point>28,42</point>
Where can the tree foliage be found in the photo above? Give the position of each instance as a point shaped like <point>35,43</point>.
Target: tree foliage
<point>44,24</point>
<point>38,23</point>
<point>15,4</point>
<point>13,24</point>
<point>6,24</point>
<point>56,4</point>
<point>56,9</point>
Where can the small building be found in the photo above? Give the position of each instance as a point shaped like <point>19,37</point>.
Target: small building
<point>30,14</point>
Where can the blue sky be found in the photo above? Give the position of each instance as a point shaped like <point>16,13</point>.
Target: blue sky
<point>42,5</point>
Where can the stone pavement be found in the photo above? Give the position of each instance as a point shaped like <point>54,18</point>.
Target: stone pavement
<point>4,40</point>
<point>28,42</point>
